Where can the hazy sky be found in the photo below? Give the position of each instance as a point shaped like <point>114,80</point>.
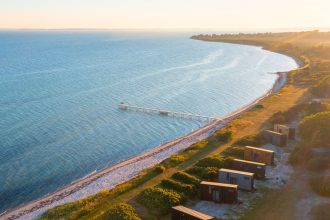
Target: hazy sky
<point>215,14</point>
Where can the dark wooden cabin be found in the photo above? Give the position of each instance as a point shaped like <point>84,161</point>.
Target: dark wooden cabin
<point>218,192</point>
<point>275,138</point>
<point>259,155</point>
<point>290,132</point>
<point>259,169</point>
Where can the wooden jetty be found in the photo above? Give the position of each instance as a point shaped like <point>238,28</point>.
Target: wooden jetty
<point>125,106</point>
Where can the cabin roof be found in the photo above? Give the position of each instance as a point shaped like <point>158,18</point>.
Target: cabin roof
<point>236,171</point>
<point>274,132</point>
<point>219,184</point>
<point>259,149</point>
<point>287,126</point>
<point>192,212</point>
<point>250,162</point>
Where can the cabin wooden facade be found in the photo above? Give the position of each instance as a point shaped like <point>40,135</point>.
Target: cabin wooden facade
<point>275,138</point>
<point>244,180</point>
<point>290,132</point>
<point>218,192</point>
<point>184,213</point>
<point>260,155</point>
<point>259,169</point>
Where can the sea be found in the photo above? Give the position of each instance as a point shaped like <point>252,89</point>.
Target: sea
<point>60,90</point>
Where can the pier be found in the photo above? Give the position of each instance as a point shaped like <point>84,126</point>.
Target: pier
<point>124,106</point>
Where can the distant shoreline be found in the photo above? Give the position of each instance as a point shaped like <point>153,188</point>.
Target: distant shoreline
<point>148,159</point>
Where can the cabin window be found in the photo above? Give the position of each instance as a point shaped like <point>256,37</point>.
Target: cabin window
<point>246,178</point>
<point>227,176</point>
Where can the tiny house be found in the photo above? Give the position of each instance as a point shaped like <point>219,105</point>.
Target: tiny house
<point>184,213</point>
<point>259,169</point>
<point>259,155</point>
<point>275,138</point>
<point>244,180</point>
<point>284,129</point>
<point>218,192</point>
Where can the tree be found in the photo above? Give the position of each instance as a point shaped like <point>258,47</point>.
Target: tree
<point>315,130</point>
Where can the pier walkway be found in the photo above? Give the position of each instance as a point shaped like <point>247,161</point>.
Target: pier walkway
<point>125,106</point>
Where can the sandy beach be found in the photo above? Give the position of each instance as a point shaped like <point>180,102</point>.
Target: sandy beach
<point>110,177</point>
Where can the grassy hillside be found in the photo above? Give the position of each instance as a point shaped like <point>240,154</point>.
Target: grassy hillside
<point>177,176</point>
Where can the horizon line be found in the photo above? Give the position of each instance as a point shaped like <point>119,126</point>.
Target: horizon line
<point>323,29</point>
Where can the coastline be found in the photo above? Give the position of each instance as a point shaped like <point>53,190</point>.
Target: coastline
<point>125,170</point>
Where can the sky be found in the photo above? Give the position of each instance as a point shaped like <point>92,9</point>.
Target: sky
<point>165,14</point>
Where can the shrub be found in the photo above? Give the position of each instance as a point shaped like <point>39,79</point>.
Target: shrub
<point>174,160</point>
<point>320,212</point>
<point>259,106</point>
<point>204,173</point>
<point>236,151</point>
<point>278,118</point>
<point>315,129</point>
<point>215,161</point>
<point>159,201</point>
<point>187,189</point>
<point>160,169</point>
<point>186,178</point>
<point>121,211</point>
<point>224,135</point>
<point>316,107</point>
<point>250,140</point>
<point>287,116</point>
<point>197,146</point>
<point>322,90</point>
<point>299,154</point>
<point>320,163</point>
<point>321,185</point>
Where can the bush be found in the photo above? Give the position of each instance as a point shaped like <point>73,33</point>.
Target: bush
<point>224,135</point>
<point>287,116</point>
<point>159,201</point>
<point>186,178</point>
<point>319,163</point>
<point>315,130</point>
<point>321,185</point>
<point>320,212</point>
<point>322,90</point>
<point>236,151</point>
<point>250,140</point>
<point>187,189</point>
<point>174,160</point>
<point>278,118</point>
<point>121,211</point>
<point>215,161</point>
<point>197,146</point>
<point>160,169</point>
<point>204,173</point>
<point>299,154</point>
<point>316,107</point>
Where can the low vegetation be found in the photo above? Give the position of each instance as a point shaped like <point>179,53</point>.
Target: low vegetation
<point>159,201</point>
<point>314,130</point>
<point>322,89</point>
<point>186,178</point>
<point>321,185</point>
<point>120,211</point>
<point>187,189</point>
<point>321,212</point>
<point>204,173</point>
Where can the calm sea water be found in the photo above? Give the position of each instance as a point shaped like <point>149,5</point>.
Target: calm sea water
<point>60,91</point>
